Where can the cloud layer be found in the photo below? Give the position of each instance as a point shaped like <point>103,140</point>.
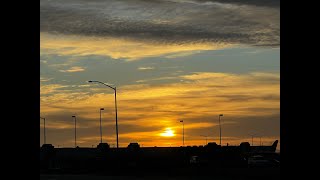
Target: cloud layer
<point>247,22</point>
<point>118,48</point>
<point>248,101</point>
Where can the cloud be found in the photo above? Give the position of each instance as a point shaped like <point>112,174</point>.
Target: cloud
<point>232,21</point>
<point>267,3</point>
<point>145,68</point>
<point>116,48</point>
<point>50,88</point>
<point>43,79</point>
<point>140,81</point>
<point>182,54</point>
<point>44,61</point>
<point>156,79</point>
<point>73,69</point>
<point>166,97</point>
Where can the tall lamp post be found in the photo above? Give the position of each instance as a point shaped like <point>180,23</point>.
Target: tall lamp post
<point>182,132</point>
<point>252,140</point>
<point>101,109</point>
<point>115,104</point>
<point>44,129</point>
<point>260,141</point>
<point>206,138</point>
<point>75,131</point>
<point>252,135</point>
<point>220,127</point>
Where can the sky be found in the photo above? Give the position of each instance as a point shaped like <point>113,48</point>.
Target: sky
<point>171,61</point>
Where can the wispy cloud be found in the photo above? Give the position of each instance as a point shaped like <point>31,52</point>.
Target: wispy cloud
<point>157,79</point>
<point>145,68</point>
<point>44,61</point>
<point>50,88</point>
<point>73,69</point>
<point>43,79</point>
<point>182,54</point>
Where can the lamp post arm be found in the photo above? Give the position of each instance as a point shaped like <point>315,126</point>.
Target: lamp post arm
<point>104,84</point>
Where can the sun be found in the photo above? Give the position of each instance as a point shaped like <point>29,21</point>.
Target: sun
<point>168,133</point>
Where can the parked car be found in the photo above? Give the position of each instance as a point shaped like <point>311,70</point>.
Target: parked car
<point>198,161</point>
<point>194,160</point>
<point>259,161</point>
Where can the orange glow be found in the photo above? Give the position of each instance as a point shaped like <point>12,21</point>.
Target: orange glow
<point>168,133</point>
<point>154,109</point>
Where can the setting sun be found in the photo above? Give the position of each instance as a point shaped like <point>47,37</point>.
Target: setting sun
<point>168,133</point>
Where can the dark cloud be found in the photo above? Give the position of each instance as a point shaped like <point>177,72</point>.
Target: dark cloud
<point>249,22</point>
<point>242,98</point>
<point>267,3</point>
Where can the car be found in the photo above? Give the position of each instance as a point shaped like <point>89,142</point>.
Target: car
<point>198,161</point>
<point>194,160</point>
<point>133,146</point>
<point>259,161</point>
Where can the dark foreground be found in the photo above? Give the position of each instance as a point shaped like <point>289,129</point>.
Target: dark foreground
<point>208,162</point>
<point>183,174</point>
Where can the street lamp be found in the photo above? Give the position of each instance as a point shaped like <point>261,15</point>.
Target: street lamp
<point>206,138</point>
<point>75,131</point>
<point>101,109</point>
<point>252,140</point>
<point>44,129</point>
<point>260,141</point>
<point>115,104</point>
<point>252,135</point>
<point>220,127</point>
<point>182,132</point>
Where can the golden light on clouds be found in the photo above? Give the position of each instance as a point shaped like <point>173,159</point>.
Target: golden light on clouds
<point>153,110</point>
<point>118,48</point>
<point>73,69</point>
<point>170,99</point>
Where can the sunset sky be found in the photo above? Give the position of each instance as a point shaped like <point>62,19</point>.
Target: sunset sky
<point>170,60</point>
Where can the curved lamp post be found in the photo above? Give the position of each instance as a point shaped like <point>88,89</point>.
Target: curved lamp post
<point>115,102</point>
